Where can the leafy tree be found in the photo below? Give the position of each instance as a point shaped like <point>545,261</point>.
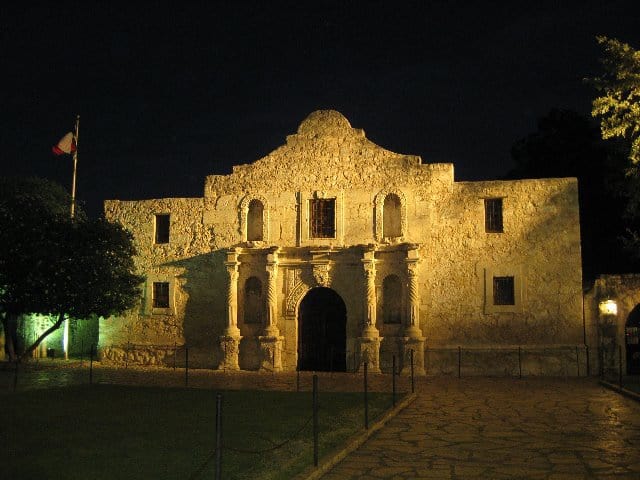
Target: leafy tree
<point>568,144</point>
<point>52,264</point>
<point>618,107</point>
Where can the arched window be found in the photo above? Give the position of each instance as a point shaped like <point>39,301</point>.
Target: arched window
<point>253,304</point>
<point>392,299</point>
<point>391,216</point>
<point>255,221</point>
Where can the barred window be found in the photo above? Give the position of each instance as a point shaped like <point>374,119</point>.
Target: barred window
<point>160,294</point>
<point>493,215</point>
<point>322,218</point>
<point>162,222</point>
<point>503,291</point>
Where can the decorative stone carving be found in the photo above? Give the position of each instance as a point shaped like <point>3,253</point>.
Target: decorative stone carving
<point>230,347</point>
<point>271,329</point>
<point>369,352</point>
<point>230,341</point>
<point>270,353</point>
<point>321,274</point>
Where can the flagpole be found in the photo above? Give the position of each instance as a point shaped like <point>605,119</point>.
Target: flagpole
<point>75,167</point>
<point>65,333</point>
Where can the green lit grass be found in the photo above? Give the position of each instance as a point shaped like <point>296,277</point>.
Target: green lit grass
<point>116,432</point>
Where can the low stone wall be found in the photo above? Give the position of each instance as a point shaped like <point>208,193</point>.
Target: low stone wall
<point>567,360</point>
<point>150,355</point>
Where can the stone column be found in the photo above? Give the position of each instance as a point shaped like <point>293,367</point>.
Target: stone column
<point>369,341</point>
<point>270,340</point>
<point>413,339</point>
<point>230,340</point>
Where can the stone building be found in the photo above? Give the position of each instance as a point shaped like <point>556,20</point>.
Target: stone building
<point>331,251</point>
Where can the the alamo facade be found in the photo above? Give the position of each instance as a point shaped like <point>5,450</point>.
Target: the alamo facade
<point>332,251</point>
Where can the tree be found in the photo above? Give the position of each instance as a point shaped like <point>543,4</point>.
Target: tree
<point>568,144</point>
<point>52,264</point>
<point>618,107</point>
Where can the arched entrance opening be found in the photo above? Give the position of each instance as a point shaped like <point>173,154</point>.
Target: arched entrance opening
<point>632,341</point>
<point>322,331</point>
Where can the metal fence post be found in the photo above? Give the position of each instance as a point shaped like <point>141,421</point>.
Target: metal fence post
<point>459,360</point>
<point>393,382</point>
<point>186,366</point>
<point>15,376</point>
<point>577,361</point>
<point>413,385</point>
<point>366,399</point>
<point>218,475</point>
<point>315,420</point>
<point>91,365</point>
<point>297,379</point>
<point>620,365</point>
<point>586,351</point>
<point>519,361</point>
<point>175,353</point>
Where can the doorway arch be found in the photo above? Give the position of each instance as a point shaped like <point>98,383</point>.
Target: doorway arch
<point>322,331</point>
<point>632,341</point>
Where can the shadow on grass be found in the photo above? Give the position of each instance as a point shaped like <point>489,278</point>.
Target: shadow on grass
<point>112,432</point>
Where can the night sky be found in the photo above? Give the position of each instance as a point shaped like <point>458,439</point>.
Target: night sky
<point>171,92</point>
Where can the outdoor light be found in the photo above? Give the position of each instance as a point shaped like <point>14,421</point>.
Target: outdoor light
<point>608,307</point>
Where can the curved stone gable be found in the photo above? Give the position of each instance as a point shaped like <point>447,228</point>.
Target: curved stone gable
<point>325,153</point>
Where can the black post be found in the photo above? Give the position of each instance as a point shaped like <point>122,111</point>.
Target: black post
<point>355,364</point>
<point>218,437</point>
<point>366,399</point>
<point>577,361</point>
<point>81,351</point>
<point>413,385</point>
<point>297,379</point>
<point>519,362</point>
<point>459,360</point>
<point>586,351</point>
<point>15,377</point>
<point>186,366</point>
<point>600,361</point>
<point>620,365</point>
<point>91,365</point>
<point>393,381</point>
<point>126,356</point>
<point>175,353</point>
<point>315,420</point>
<point>331,359</point>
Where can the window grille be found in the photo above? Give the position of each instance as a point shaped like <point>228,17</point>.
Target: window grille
<point>493,215</point>
<point>322,221</point>
<point>160,295</point>
<point>503,291</point>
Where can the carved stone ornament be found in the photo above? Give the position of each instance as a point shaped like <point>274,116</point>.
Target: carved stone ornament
<point>321,274</point>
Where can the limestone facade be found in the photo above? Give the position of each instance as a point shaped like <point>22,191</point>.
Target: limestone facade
<point>420,263</point>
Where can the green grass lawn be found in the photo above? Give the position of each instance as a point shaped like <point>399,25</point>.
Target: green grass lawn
<point>116,432</point>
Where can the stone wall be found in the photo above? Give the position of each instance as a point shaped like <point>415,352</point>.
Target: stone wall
<point>442,224</point>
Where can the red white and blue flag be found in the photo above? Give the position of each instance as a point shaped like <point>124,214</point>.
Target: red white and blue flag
<point>66,145</point>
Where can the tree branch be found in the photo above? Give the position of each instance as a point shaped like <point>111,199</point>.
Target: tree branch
<point>44,335</point>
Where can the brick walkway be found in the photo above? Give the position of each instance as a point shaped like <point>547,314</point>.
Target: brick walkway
<point>485,428</point>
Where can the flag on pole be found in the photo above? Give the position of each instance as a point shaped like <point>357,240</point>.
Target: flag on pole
<point>66,145</point>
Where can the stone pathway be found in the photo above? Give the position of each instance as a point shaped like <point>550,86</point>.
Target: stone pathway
<point>486,428</point>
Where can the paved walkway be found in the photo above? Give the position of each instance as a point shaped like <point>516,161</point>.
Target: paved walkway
<point>484,428</point>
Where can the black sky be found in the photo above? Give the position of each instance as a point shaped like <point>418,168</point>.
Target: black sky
<point>171,92</point>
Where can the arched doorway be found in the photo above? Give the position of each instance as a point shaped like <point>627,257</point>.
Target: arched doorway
<point>632,341</point>
<point>322,331</point>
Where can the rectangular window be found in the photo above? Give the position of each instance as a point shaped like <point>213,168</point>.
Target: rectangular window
<point>322,218</point>
<point>162,228</point>
<point>504,291</point>
<point>160,294</point>
<point>493,215</point>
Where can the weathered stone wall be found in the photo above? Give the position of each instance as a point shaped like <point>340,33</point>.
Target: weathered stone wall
<point>444,219</point>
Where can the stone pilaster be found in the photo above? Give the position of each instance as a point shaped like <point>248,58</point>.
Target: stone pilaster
<point>230,340</point>
<point>413,339</point>
<point>271,341</point>
<point>369,341</point>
